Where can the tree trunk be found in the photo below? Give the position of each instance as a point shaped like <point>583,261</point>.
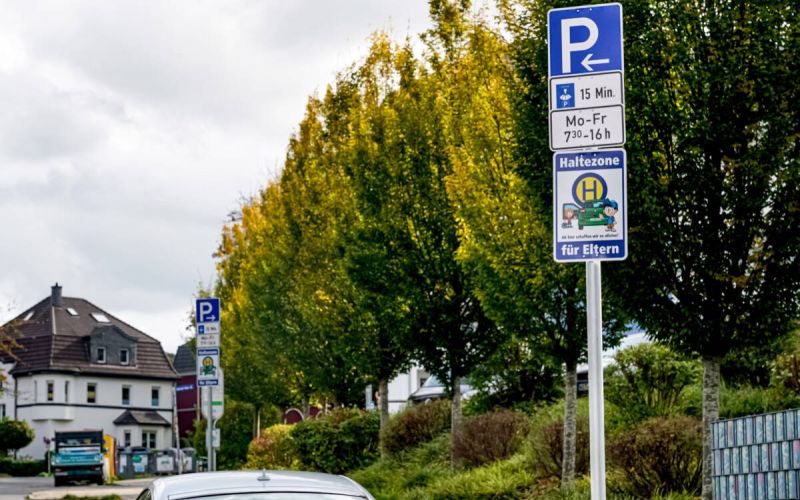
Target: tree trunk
<point>383,402</point>
<point>258,421</point>
<point>455,420</point>
<point>570,423</point>
<point>710,414</point>
<point>306,408</point>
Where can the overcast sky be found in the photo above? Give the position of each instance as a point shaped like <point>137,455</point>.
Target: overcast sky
<point>129,129</point>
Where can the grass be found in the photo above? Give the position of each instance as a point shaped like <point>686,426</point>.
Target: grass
<point>424,473</point>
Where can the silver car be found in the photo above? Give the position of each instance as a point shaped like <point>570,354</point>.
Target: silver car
<point>255,485</point>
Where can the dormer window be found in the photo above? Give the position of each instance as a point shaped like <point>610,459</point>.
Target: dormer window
<point>101,354</point>
<point>100,317</point>
<point>124,357</point>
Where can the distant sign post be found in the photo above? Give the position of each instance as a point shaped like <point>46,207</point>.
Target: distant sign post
<point>209,372</point>
<point>587,111</point>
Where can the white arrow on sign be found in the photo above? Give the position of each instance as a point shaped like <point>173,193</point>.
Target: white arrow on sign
<point>588,61</point>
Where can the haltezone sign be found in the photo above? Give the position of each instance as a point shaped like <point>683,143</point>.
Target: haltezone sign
<point>585,69</point>
<point>590,213</point>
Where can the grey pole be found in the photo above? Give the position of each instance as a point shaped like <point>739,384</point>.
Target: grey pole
<point>597,440</point>
<point>210,431</point>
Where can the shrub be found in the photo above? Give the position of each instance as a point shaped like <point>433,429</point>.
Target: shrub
<point>547,440</point>
<point>14,434</point>
<point>505,479</point>
<point>649,380</point>
<point>548,447</point>
<point>662,455</point>
<point>344,440</point>
<point>490,437</point>
<point>272,449</point>
<point>416,425</point>
<point>22,468</point>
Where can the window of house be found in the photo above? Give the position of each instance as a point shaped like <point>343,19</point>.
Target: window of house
<point>101,354</point>
<point>2,411</point>
<point>149,439</point>
<point>127,439</point>
<point>123,357</point>
<point>126,394</point>
<point>155,392</point>
<point>50,390</point>
<point>66,391</point>
<point>72,311</point>
<point>100,318</point>
<point>91,392</point>
<point>35,391</point>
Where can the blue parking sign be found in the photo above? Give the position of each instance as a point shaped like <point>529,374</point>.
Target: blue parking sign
<point>585,39</point>
<point>207,311</point>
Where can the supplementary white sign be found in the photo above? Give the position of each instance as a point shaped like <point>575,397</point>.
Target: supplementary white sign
<point>587,128</point>
<point>589,206</point>
<point>207,340</point>
<point>586,91</point>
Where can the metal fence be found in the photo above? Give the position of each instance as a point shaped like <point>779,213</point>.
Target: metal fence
<point>757,457</point>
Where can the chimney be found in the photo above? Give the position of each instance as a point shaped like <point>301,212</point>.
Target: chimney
<point>55,296</point>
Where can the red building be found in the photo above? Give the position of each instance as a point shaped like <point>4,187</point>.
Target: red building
<point>186,389</point>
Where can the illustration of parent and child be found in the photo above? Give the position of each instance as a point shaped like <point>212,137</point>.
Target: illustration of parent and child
<point>593,213</point>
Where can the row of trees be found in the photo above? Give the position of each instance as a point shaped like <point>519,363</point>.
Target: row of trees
<point>412,219</point>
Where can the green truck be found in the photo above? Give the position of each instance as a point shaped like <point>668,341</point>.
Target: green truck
<point>592,214</point>
<point>78,456</point>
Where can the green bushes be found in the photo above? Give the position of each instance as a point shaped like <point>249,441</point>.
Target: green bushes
<point>417,424</point>
<point>272,449</point>
<point>341,441</point>
<point>662,455</point>
<point>22,468</point>
<point>649,380</point>
<point>490,437</point>
<point>547,440</point>
<point>14,434</point>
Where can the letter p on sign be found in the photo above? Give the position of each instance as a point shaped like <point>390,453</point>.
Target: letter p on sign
<point>568,46</point>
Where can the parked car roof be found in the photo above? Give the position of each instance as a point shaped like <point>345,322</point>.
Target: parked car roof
<point>255,484</point>
<point>433,388</point>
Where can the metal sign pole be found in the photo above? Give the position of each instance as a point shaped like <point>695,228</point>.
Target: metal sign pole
<point>597,439</point>
<point>210,431</point>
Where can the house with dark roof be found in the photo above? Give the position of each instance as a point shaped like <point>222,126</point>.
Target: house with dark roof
<point>77,366</point>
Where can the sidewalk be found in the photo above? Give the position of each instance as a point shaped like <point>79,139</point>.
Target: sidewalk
<point>126,488</point>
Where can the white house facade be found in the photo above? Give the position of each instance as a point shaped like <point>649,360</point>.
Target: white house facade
<point>78,367</point>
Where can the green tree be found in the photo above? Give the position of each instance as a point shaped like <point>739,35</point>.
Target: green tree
<point>236,432</point>
<point>14,434</point>
<point>714,179</point>
<point>251,288</point>
<point>713,172</point>
<point>408,231</point>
